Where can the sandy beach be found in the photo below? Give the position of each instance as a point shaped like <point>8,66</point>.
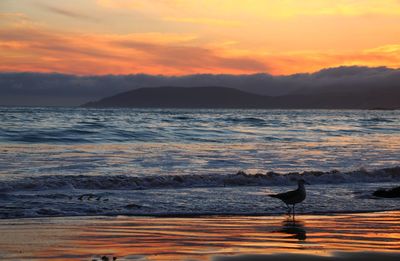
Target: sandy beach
<point>342,236</point>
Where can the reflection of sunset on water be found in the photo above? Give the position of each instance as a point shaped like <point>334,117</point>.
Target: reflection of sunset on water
<point>199,238</point>
<point>341,152</point>
<point>136,142</point>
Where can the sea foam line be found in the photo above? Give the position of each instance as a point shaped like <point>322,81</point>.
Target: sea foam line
<point>126,182</point>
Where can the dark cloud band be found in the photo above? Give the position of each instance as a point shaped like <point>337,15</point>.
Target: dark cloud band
<point>69,90</point>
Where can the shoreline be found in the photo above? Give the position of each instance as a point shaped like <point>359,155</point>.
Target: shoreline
<point>206,215</point>
<point>199,238</point>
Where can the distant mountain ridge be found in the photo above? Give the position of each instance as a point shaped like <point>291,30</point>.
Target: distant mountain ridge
<point>224,97</point>
<point>183,97</point>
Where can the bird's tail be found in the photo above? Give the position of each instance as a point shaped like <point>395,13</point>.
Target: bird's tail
<point>272,195</point>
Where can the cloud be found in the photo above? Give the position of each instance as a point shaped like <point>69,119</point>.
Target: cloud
<point>292,62</point>
<point>68,90</point>
<point>123,4</point>
<point>12,16</point>
<point>186,58</point>
<point>79,53</point>
<point>392,49</point>
<point>16,20</point>
<point>28,46</point>
<point>67,13</point>
<point>203,21</point>
<point>196,36</point>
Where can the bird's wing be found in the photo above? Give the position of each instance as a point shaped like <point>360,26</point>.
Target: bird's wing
<point>286,195</point>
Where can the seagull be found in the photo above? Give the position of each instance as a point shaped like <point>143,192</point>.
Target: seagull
<point>293,197</point>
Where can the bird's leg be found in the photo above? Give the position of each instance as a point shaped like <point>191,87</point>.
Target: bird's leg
<point>289,209</point>
<point>294,213</point>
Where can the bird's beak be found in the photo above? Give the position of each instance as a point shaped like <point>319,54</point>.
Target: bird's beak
<point>305,182</point>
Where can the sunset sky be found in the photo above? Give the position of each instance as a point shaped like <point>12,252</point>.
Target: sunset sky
<point>178,37</point>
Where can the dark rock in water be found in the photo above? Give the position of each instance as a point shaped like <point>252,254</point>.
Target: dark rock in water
<point>388,193</point>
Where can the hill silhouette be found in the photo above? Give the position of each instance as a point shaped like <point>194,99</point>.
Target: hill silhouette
<point>223,97</point>
<point>183,97</point>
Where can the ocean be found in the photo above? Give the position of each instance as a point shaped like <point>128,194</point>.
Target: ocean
<point>157,162</point>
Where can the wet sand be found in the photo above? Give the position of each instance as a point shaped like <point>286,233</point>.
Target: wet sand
<point>343,236</point>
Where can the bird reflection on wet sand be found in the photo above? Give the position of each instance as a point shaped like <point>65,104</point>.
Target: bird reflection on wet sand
<point>294,228</point>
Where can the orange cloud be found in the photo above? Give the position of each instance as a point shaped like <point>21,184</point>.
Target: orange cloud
<point>29,49</point>
<point>39,50</point>
<point>68,13</point>
<point>210,36</point>
<point>311,61</point>
<point>203,21</point>
<point>26,45</point>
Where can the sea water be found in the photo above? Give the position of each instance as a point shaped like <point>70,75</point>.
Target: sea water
<point>78,161</point>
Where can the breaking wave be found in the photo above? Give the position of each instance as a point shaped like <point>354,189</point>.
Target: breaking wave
<point>124,182</point>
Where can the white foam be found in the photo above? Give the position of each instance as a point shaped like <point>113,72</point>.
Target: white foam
<point>125,182</point>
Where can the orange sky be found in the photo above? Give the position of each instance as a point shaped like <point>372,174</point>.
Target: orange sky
<point>177,37</point>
